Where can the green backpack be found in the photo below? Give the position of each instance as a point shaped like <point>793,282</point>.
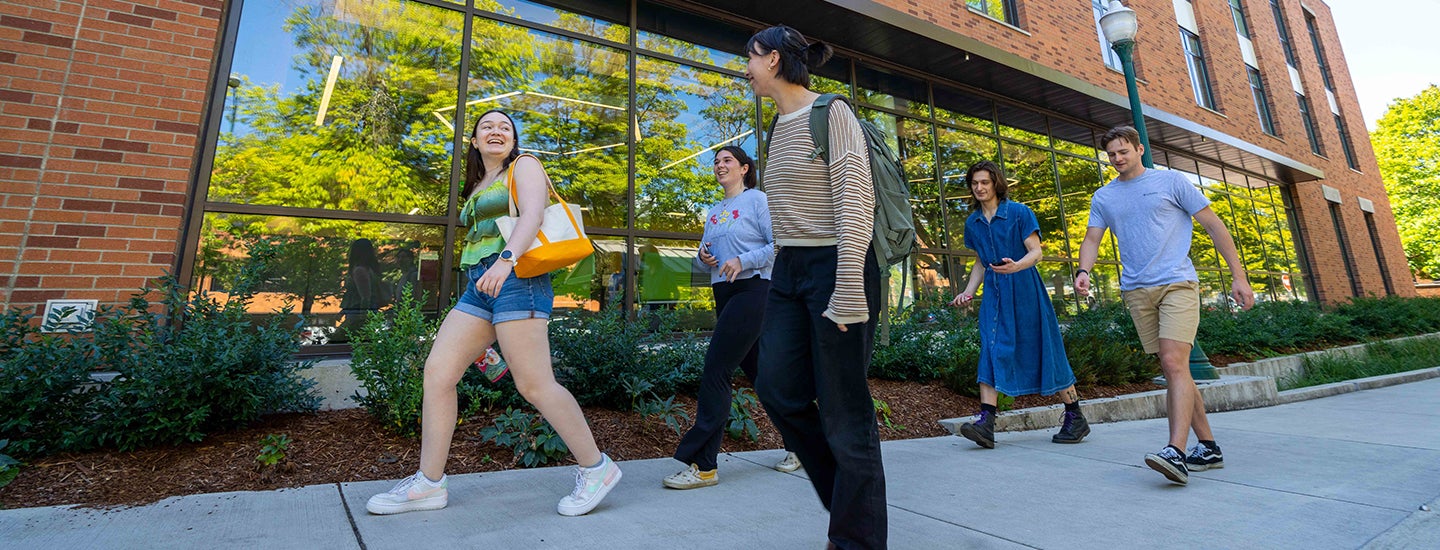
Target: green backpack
<point>894,238</point>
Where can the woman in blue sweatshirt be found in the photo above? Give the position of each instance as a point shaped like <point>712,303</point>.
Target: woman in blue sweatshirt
<point>737,250</point>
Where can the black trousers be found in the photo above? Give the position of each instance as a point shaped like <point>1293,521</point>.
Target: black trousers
<point>740,310</point>
<point>813,385</point>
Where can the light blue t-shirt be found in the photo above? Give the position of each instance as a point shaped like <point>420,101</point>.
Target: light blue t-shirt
<point>739,226</point>
<point>1151,217</point>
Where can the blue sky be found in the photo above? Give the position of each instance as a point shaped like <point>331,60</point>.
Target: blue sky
<point>1392,52</point>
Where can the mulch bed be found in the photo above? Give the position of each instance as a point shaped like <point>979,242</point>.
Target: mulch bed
<point>347,445</point>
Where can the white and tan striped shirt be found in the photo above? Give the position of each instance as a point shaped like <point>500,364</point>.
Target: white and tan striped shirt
<point>812,204</point>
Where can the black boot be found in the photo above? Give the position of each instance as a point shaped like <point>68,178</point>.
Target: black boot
<point>1074,429</point>
<point>982,431</point>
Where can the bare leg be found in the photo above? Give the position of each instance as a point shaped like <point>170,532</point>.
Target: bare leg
<point>1068,395</point>
<point>1200,422</point>
<point>988,395</point>
<point>527,350</point>
<point>462,338</point>
<point>1181,395</point>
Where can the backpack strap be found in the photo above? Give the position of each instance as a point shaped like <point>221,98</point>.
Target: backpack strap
<point>820,125</point>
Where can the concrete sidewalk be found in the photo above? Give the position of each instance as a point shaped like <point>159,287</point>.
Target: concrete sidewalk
<point>1339,472</point>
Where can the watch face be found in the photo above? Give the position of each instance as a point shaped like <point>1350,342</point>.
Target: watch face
<point>506,255</point>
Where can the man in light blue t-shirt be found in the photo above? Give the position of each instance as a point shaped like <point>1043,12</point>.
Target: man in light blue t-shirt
<point>1150,213</point>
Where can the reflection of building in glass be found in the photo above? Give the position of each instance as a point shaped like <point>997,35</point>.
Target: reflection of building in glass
<point>345,120</point>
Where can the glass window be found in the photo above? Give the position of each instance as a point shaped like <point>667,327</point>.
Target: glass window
<point>1079,179</point>
<point>931,279</point>
<point>964,109</point>
<point>1076,139</point>
<point>1319,52</point>
<point>588,17</point>
<point>341,106</point>
<point>1112,59</point>
<point>1262,102</point>
<point>902,93</point>
<point>1345,142</point>
<point>1309,121</point>
<point>1215,288</point>
<point>1059,284</point>
<point>666,279</point>
<point>1003,10</point>
<point>1104,284</point>
<point>916,147</point>
<point>1199,74</point>
<point>1248,231</point>
<point>685,115</point>
<point>569,99</point>
<point>956,151</point>
<point>331,272</point>
<point>679,33</point>
<point>1030,173</point>
<point>596,282</point>
<point>1238,14</point>
<point>1023,124</point>
<point>1283,29</point>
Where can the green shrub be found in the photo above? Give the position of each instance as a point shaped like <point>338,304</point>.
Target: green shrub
<point>667,410</point>
<point>388,359</point>
<point>605,359</point>
<point>272,449</point>
<point>527,435</point>
<point>46,394</point>
<point>1380,358</point>
<point>741,424</point>
<point>1392,316</point>
<point>9,467</point>
<point>926,340</point>
<point>1104,349</point>
<point>1272,328</point>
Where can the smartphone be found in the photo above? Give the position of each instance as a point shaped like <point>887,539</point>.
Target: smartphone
<point>1002,262</point>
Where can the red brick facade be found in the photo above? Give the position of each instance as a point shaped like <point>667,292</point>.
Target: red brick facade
<point>101,105</point>
<point>1050,37</point>
<point>100,116</point>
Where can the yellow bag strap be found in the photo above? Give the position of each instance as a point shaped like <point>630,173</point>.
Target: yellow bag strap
<point>515,197</point>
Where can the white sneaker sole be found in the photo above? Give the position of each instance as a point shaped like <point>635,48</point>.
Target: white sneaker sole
<point>696,484</point>
<point>587,507</point>
<point>787,469</point>
<point>430,503</point>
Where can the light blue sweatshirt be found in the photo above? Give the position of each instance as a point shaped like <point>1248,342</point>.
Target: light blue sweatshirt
<point>739,226</point>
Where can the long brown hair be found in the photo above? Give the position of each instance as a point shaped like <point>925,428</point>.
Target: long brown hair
<point>744,160</point>
<point>997,180</point>
<point>474,166</point>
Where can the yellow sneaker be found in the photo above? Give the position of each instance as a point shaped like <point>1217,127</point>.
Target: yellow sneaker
<point>692,478</point>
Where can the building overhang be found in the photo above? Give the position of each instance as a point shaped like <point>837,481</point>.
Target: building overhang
<point>884,33</point>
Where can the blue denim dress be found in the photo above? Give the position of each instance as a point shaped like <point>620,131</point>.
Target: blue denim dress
<point>1021,350</point>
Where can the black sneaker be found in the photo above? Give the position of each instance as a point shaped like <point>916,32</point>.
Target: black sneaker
<point>982,431</point>
<point>1169,462</point>
<point>1204,457</point>
<point>1073,430</point>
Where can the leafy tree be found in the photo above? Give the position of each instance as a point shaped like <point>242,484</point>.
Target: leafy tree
<point>1407,145</point>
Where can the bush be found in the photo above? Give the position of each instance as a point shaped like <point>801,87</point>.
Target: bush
<point>1392,316</point>
<point>1104,348</point>
<point>743,404</point>
<point>388,359</point>
<point>607,360</point>
<point>1272,328</point>
<point>200,366</point>
<point>9,467</point>
<point>926,340</point>
<point>527,435</point>
<point>1379,358</point>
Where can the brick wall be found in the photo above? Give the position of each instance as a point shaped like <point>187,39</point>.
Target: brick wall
<point>1058,34</point>
<point>100,106</point>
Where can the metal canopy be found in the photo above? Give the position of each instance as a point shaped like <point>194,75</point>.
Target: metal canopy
<point>883,33</point>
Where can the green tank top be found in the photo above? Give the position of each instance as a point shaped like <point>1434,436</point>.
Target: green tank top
<point>479,214</point>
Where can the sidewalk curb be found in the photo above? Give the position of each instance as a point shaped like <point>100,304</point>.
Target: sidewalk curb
<point>1227,394</point>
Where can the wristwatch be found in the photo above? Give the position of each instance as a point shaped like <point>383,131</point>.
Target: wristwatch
<point>1079,271</point>
<point>507,256</point>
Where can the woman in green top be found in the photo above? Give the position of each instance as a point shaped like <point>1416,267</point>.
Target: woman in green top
<point>500,306</point>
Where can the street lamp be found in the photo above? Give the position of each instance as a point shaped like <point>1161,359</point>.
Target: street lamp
<point>1120,25</point>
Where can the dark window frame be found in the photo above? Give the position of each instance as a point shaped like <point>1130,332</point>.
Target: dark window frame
<point>1237,13</point>
<point>1379,253</point>
<point>1319,52</point>
<point>1199,71</point>
<point>1262,101</point>
<point>1308,119</point>
<point>1345,142</point>
<point>1283,30</point>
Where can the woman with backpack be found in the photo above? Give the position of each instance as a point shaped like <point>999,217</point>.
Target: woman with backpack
<point>737,250</point>
<point>1021,350</point>
<point>824,291</point>
<point>498,305</point>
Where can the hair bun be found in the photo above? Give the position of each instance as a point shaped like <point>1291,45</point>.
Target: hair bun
<point>817,54</point>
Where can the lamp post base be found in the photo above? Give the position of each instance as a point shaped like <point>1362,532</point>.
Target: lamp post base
<point>1200,367</point>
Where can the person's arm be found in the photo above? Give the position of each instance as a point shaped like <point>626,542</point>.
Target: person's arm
<point>532,191</point>
<point>1089,251</point>
<point>1225,245</point>
<point>853,194</point>
<point>761,256</point>
<point>704,261</point>
<point>977,276</point>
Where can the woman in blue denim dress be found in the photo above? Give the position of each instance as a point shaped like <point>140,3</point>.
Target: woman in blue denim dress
<point>1021,350</point>
<point>498,306</point>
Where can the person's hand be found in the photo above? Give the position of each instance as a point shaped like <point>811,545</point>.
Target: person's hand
<point>731,269</point>
<point>494,278</point>
<point>1006,266</point>
<point>962,299</point>
<point>706,257</point>
<point>1243,294</point>
<point>1082,284</point>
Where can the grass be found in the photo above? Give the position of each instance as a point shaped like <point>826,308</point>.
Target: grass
<point>1381,358</point>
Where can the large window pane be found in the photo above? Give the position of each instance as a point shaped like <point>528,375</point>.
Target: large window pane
<point>1031,176</point>
<point>963,109</point>
<point>1079,179</point>
<point>956,151</point>
<point>333,105</point>
<point>1074,139</point>
<point>1060,286</point>
<point>1023,124</point>
<point>883,88</point>
<point>331,272</point>
<point>590,17</point>
<point>569,99</point>
<point>679,33</point>
<point>596,282</point>
<point>931,279</point>
<point>667,279</point>
<point>685,115</point>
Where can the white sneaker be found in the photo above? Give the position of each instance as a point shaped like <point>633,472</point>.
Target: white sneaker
<point>692,478</point>
<point>411,494</point>
<point>591,486</point>
<point>789,464</point>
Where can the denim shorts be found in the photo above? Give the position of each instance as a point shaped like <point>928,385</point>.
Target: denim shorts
<point>530,298</point>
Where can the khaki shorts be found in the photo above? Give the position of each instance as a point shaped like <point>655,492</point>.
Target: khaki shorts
<point>1168,311</point>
